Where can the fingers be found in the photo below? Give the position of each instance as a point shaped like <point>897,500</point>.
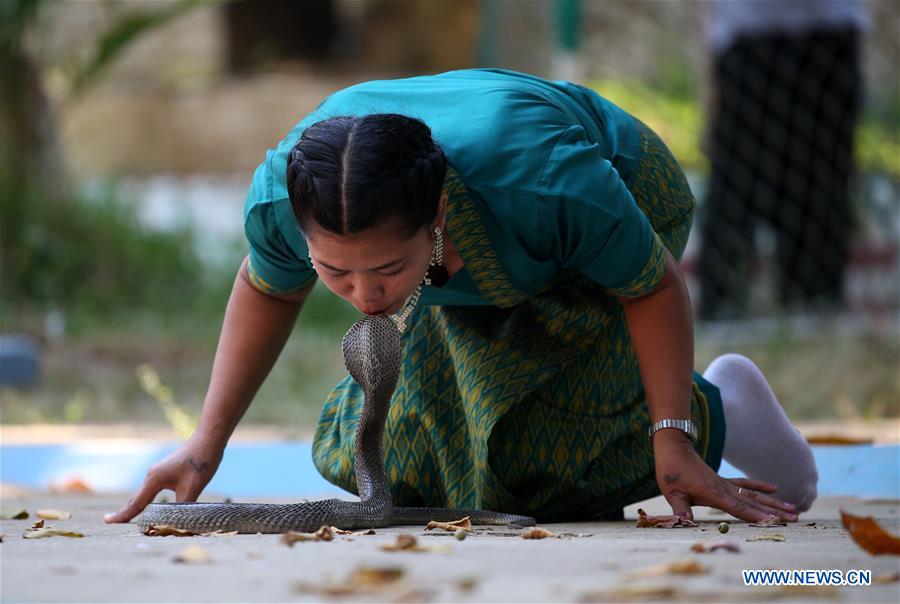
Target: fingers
<point>754,485</point>
<point>742,509</point>
<point>188,492</point>
<point>755,490</point>
<point>740,498</point>
<point>681,504</point>
<point>136,504</point>
<point>752,506</point>
<point>780,508</point>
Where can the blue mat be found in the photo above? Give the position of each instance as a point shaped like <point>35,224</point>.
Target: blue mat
<point>286,469</point>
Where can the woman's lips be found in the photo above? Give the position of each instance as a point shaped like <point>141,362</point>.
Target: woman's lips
<point>377,312</point>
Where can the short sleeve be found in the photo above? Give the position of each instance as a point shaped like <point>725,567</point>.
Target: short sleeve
<point>275,266</point>
<point>593,224</point>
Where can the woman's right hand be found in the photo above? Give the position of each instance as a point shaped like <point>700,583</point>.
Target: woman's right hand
<point>186,471</point>
<point>255,329</point>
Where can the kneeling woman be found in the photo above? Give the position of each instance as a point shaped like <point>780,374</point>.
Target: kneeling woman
<point>525,233</point>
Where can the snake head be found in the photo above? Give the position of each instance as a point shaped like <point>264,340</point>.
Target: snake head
<point>371,350</point>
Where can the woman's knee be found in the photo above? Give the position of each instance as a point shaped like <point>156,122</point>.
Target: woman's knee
<point>731,366</point>
<point>734,373</point>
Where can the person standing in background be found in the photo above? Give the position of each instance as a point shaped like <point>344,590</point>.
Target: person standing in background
<point>786,95</point>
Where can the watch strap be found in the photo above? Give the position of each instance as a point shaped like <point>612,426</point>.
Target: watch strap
<point>685,425</point>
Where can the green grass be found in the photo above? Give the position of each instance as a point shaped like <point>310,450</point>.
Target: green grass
<point>92,377</point>
<point>830,375</point>
<point>132,296</point>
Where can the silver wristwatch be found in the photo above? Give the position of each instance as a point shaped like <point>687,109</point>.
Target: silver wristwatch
<point>685,425</point>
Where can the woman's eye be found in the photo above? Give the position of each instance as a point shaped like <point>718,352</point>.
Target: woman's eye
<point>337,275</point>
<point>393,274</point>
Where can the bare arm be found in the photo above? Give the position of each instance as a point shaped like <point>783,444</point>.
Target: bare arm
<point>254,332</point>
<point>661,329</point>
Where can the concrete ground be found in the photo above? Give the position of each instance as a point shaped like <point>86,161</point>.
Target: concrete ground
<point>596,561</point>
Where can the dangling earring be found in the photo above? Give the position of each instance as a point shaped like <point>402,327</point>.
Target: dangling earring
<point>437,274</point>
<point>311,263</point>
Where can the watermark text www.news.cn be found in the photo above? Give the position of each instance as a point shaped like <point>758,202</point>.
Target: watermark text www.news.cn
<point>807,577</point>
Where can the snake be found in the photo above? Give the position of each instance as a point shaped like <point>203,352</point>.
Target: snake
<point>371,351</point>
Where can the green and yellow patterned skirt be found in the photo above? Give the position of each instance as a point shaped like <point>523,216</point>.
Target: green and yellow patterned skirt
<point>536,408</point>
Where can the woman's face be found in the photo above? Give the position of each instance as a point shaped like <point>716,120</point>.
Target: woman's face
<point>375,270</point>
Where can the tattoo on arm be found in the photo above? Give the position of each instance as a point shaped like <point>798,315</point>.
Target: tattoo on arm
<point>200,467</point>
<point>671,478</point>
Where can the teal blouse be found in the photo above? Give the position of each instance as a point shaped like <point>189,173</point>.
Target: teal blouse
<point>544,163</point>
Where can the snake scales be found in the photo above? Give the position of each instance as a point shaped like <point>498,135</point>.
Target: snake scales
<point>371,350</point>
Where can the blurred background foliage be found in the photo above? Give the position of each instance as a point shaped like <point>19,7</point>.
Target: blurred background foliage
<point>129,130</point>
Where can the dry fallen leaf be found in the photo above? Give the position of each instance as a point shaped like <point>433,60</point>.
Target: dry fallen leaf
<point>193,554</point>
<point>368,576</point>
<point>363,580</point>
<point>53,514</point>
<point>883,578</point>
<point>292,537</point>
<point>338,531</point>
<point>1,537</point>
<point>41,533</point>
<point>631,594</point>
<point>653,593</point>
<point>645,521</point>
<point>166,530</point>
<point>403,543</point>
<point>837,439</point>
<point>705,548</point>
<point>537,533</point>
<point>769,522</point>
<point>408,543</point>
<point>331,590</point>
<point>17,515</point>
<point>678,567</point>
<point>869,535</point>
<point>409,594</point>
<point>768,537</point>
<point>467,583</point>
<point>463,523</point>
<point>37,525</point>
<point>323,534</point>
<point>813,592</point>
<point>72,485</point>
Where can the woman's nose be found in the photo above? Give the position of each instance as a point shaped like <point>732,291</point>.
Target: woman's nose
<point>368,290</point>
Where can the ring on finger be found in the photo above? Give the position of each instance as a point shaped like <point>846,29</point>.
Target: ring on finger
<point>740,490</point>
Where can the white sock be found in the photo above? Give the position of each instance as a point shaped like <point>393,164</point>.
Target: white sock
<point>759,439</point>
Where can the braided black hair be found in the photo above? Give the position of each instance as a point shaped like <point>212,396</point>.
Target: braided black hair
<point>348,174</point>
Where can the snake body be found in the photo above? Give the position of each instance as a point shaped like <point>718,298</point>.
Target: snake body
<point>371,351</point>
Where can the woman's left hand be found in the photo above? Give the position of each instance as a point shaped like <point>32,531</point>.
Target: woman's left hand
<point>685,480</point>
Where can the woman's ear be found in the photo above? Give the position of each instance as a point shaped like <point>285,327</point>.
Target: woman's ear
<point>442,211</point>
